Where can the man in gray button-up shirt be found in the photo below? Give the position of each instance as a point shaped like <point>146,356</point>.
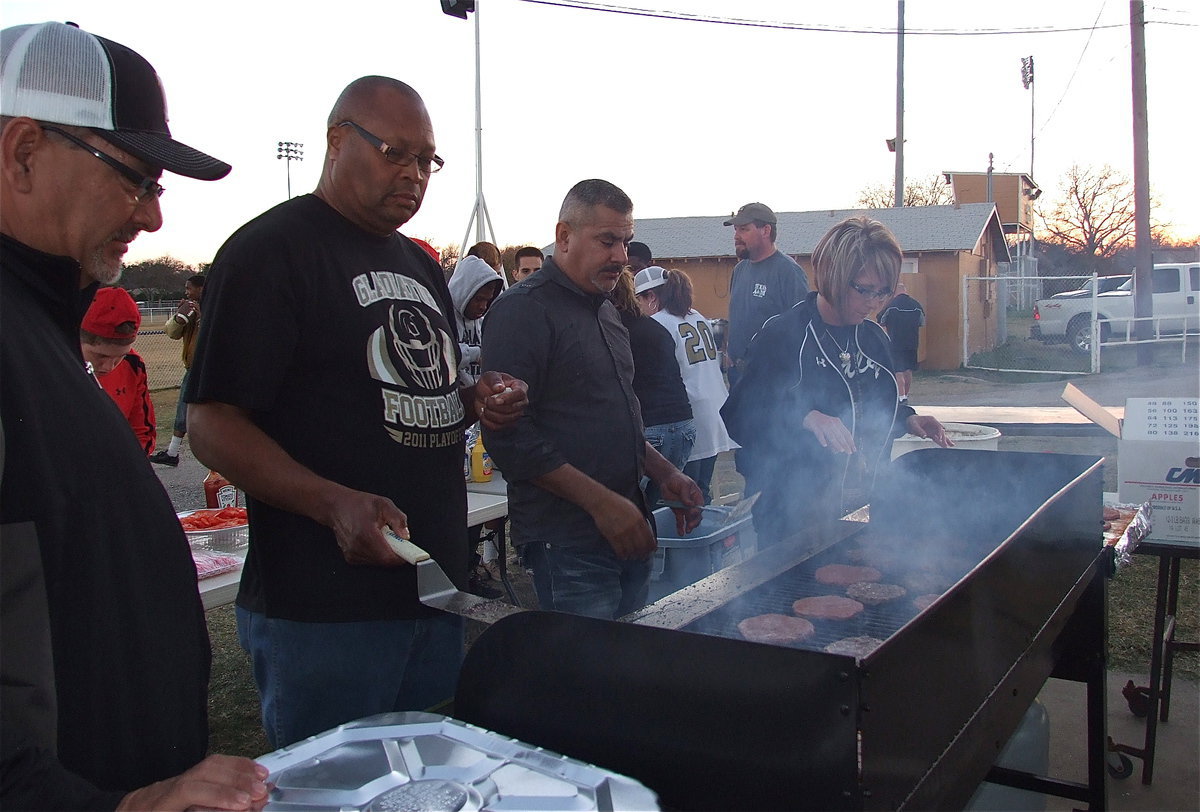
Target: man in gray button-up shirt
<point>575,460</point>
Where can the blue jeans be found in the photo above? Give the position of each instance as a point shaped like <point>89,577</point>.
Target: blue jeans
<point>588,581</point>
<point>314,676</point>
<point>701,472</point>
<point>674,441</point>
<point>180,427</point>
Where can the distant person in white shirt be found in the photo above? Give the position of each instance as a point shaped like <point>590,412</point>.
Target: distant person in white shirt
<point>666,296</point>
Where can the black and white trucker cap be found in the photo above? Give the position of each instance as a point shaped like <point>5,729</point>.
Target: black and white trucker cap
<point>60,74</point>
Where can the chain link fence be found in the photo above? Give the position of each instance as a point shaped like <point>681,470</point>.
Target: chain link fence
<point>163,356</point>
<point>1051,325</point>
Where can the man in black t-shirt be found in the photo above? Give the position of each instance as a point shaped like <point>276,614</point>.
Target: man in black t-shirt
<point>325,386</point>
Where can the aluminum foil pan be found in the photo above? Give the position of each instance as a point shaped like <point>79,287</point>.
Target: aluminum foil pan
<point>225,540</point>
<point>423,761</point>
<point>1126,539</point>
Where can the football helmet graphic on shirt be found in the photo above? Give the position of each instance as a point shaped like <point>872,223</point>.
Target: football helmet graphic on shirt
<point>411,353</point>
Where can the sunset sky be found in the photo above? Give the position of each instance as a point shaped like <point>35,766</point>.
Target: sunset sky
<point>690,118</point>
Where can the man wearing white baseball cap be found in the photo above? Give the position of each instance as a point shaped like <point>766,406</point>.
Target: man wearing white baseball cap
<point>104,678</point>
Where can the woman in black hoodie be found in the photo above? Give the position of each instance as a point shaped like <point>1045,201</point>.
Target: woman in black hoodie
<point>816,409</point>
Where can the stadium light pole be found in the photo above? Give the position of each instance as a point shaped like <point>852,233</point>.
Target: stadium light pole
<point>479,212</point>
<point>290,151</point>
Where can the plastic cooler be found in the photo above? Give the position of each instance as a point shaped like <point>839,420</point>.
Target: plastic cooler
<point>681,561</point>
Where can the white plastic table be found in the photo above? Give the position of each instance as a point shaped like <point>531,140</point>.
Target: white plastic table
<point>481,507</point>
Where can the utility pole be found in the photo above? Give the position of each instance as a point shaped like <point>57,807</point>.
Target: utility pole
<point>290,151</point>
<point>1027,82</point>
<point>899,103</point>
<point>479,213</point>
<point>1143,302</point>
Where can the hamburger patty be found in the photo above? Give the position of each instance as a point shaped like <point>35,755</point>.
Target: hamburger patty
<point>776,629</point>
<point>827,607</point>
<point>873,594</point>
<point>857,647</point>
<point>844,574</point>
<point>923,602</point>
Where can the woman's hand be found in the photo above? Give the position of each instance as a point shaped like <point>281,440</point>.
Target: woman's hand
<point>927,427</point>
<point>830,432</point>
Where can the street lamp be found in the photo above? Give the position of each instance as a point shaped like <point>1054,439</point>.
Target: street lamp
<point>290,151</point>
<point>479,214</point>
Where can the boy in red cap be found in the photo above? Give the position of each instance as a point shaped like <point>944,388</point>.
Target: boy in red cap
<point>106,337</point>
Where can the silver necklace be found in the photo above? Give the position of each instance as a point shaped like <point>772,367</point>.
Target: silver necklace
<point>843,352</point>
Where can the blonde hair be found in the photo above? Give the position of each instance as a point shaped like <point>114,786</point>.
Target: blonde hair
<point>623,296</point>
<point>855,245</point>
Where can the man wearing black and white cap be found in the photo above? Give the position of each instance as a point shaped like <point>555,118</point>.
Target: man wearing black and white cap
<point>765,282</point>
<point>104,685</point>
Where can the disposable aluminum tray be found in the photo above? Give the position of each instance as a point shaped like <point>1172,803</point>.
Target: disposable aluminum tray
<point>226,540</point>
<point>424,761</point>
<point>1136,529</point>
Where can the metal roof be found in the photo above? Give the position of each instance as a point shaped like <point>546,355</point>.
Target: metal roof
<point>917,228</point>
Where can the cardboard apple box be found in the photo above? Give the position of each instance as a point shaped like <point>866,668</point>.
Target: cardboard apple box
<point>1158,458</point>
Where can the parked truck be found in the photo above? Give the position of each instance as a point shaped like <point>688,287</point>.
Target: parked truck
<point>1176,309</point>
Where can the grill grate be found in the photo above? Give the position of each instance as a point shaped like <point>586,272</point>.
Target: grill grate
<point>930,569</point>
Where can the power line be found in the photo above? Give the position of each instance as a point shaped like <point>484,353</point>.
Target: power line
<point>630,11</point>
<point>1075,71</point>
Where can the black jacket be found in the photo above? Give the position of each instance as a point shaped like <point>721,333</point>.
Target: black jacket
<point>792,368</point>
<point>105,650</point>
<point>573,352</point>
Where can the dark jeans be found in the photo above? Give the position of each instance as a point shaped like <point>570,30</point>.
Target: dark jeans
<point>314,676</point>
<point>180,427</point>
<point>589,581</point>
<point>701,472</point>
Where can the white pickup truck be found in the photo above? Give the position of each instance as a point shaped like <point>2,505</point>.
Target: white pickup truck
<point>1069,318</point>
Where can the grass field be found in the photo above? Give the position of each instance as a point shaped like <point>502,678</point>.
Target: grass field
<point>163,357</point>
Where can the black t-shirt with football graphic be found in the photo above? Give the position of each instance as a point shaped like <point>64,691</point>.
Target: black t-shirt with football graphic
<point>338,343</point>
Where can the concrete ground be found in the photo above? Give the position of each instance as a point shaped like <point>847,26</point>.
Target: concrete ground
<point>1031,417</point>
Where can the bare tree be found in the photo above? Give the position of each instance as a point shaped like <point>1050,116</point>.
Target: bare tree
<point>929,191</point>
<point>1095,216</point>
<point>449,254</point>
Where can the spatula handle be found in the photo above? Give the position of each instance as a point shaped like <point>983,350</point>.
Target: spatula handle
<point>404,548</point>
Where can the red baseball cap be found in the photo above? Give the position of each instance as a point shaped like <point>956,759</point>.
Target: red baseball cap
<point>429,249</point>
<point>111,308</point>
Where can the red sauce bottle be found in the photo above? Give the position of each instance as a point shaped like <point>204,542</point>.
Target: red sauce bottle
<point>219,492</point>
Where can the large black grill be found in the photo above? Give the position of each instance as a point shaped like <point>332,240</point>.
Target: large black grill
<point>708,720</point>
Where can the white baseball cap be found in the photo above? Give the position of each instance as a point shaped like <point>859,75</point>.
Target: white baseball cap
<point>649,278</point>
<point>60,74</point>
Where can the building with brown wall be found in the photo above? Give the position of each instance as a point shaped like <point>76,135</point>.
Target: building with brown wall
<point>942,246</point>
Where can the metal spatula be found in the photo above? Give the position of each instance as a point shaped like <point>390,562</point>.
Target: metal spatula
<point>436,590</point>
<point>739,510</point>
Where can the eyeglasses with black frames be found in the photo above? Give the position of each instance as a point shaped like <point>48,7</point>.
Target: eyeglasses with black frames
<point>145,187</point>
<point>395,155</point>
<point>869,293</point>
